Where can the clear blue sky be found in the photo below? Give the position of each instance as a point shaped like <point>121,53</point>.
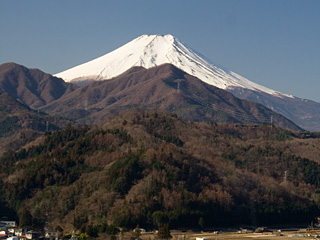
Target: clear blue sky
<point>272,42</point>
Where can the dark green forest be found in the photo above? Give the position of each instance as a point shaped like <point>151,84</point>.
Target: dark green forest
<point>151,169</point>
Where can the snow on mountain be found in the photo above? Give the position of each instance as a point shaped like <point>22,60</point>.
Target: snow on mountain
<point>153,50</point>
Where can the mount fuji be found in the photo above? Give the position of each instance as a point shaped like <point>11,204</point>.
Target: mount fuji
<point>154,50</point>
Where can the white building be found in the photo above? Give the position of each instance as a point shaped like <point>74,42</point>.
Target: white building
<point>8,224</point>
<point>13,238</point>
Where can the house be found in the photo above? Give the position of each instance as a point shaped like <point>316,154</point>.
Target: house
<point>202,238</point>
<point>32,235</point>
<point>3,236</point>
<point>261,230</point>
<point>11,230</point>
<point>22,237</point>
<point>51,234</point>
<point>3,233</point>
<point>20,232</point>
<point>13,238</point>
<point>139,230</point>
<point>8,224</point>
<point>7,229</point>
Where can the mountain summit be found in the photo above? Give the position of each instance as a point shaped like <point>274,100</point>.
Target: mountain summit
<point>153,50</point>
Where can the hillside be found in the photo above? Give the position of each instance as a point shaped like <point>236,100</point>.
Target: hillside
<point>20,125</point>
<point>150,168</point>
<point>150,51</point>
<point>164,87</point>
<point>31,87</point>
<point>305,113</point>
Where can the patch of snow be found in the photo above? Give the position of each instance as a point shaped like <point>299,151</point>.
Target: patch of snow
<point>154,50</point>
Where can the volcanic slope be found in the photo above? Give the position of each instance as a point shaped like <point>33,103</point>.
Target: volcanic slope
<point>153,50</point>
<point>164,87</point>
<point>32,87</point>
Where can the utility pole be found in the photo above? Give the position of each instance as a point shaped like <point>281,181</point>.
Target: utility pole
<point>86,105</point>
<point>86,111</point>
<point>178,81</point>
<point>285,176</point>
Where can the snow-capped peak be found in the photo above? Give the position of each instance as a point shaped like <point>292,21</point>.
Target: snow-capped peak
<point>153,50</point>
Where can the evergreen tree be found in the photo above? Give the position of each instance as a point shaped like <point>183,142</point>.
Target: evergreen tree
<point>164,232</point>
<point>201,223</point>
<point>25,218</point>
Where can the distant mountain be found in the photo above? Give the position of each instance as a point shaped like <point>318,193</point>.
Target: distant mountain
<point>31,86</point>
<point>154,50</point>
<point>304,112</point>
<point>164,87</point>
<point>20,125</point>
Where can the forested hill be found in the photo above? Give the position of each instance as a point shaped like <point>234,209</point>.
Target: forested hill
<point>150,168</point>
<point>19,124</point>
